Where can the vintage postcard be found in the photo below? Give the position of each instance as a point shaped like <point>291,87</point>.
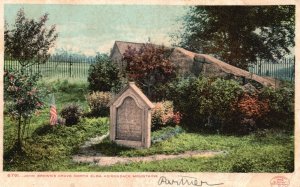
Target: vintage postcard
<point>149,93</point>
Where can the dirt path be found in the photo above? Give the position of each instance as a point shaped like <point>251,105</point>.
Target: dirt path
<point>88,155</point>
<point>109,160</point>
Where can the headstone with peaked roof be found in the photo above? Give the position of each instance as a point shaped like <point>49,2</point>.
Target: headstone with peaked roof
<point>130,118</point>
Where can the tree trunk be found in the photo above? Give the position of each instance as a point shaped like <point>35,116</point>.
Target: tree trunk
<point>19,143</point>
<point>149,90</point>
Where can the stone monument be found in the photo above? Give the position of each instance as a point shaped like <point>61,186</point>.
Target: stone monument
<point>130,118</point>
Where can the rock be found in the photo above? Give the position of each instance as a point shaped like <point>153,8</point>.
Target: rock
<point>213,67</point>
<point>249,88</point>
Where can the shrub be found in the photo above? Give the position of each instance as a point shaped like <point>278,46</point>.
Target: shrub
<point>22,99</point>
<point>163,115</point>
<point>104,75</point>
<point>281,101</point>
<point>252,107</point>
<point>150,68</point>
<point>251,110</point>
<point>223,97</point>
<point>219,105</point>
<point>71,113</point>
<point>205,103</point>
<point>97,102</point>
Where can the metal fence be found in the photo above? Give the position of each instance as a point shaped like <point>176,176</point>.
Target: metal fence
<point>283,69</point>
<point>56,66</point>
<point>73,67</point>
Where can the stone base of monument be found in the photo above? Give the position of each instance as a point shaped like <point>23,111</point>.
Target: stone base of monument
<point>132,144</point>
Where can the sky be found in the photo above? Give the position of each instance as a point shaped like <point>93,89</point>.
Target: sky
<point>89,29</point>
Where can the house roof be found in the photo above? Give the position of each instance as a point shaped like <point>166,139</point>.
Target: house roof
<point>131,85</point>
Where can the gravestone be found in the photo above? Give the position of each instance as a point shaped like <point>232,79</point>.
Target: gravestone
<point>130,118</point>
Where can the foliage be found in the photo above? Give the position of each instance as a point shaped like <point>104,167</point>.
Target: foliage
<point>210,102</point>
<point>50,148</point>
<point>239,35</point>
<point>104,75</point>
<point>22,99</point>
<point>223,97</point>
<point>97,102</point>
<point>252,109</point>
<point>163,115</point>
<point>282,103</point>
<point>222,106</point>
<point>71,113</point>
<point>149,67</point>
<point>29,40</point>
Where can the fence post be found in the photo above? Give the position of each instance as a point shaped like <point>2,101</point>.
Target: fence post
<point>259,67</point>
<point>293,69</point>
<point>70,67</point>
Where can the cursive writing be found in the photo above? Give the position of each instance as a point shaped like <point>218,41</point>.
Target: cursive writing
<point>184,180</point>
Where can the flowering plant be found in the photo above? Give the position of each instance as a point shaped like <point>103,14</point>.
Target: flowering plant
<point>22,98</point>
<point>252,107</point>
<point>163,115</point>
<point>97,102</point>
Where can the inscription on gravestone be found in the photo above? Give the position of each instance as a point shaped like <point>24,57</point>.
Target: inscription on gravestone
<point>129,121</point>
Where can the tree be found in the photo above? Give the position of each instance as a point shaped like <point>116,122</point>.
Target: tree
<point>22,100</point>
<point>104,75</point>
<point>149,67</point>
<point>29,40</point>
<point>239,35</point>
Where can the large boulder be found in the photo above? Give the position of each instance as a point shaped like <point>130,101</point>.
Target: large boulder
<point>213,67</point>
<point>206,65</point>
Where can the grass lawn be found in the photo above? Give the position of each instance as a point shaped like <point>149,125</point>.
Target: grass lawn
<point>51,149</point>
<point>270,152</point>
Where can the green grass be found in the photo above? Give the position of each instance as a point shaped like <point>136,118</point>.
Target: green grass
<point>272,153</point>
<point>48,149</point>
<point>66,91</point>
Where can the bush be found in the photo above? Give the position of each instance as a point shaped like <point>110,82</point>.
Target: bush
<point>206,104</point>
<point>97,102</point>
<point>251,110</point>
<point>163,115</point>
<point>218,105</point>
<point>104,75</point>
<point>281,114</point>
<point>71,113</point>
<point>22,99</point>
<point>150,68</point>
